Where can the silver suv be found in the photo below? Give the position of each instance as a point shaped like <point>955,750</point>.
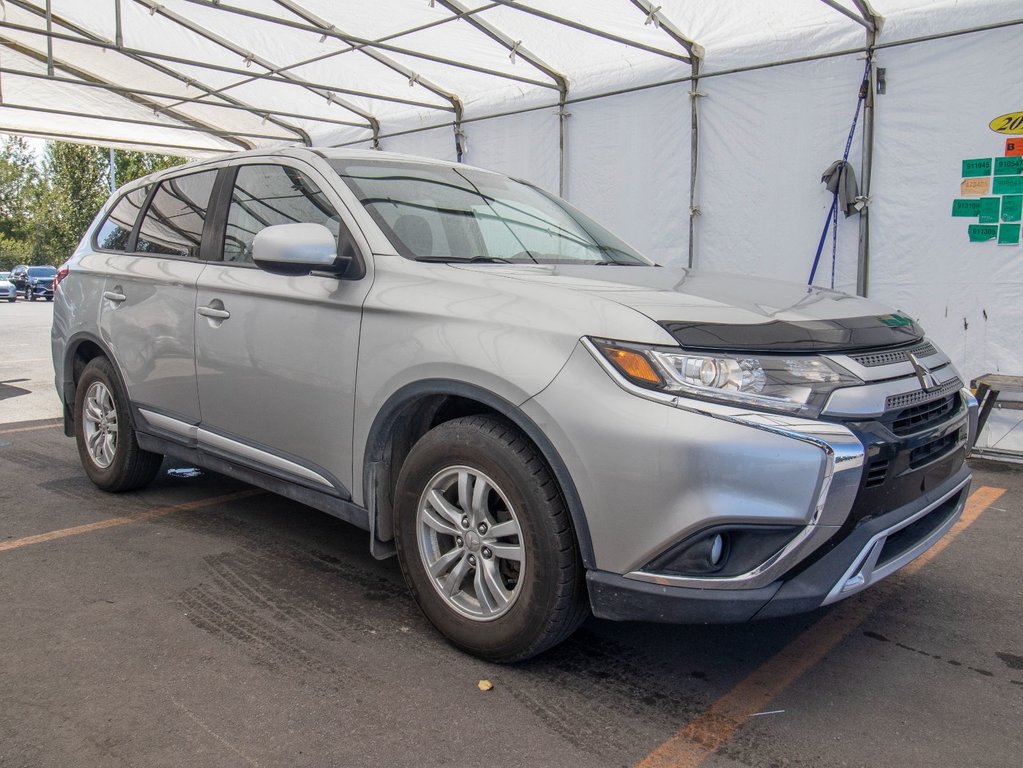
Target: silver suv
<point>537,420</point>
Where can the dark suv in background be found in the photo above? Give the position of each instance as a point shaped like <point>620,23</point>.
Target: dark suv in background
<point>34,282</point>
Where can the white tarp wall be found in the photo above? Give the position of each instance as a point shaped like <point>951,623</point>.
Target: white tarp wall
<point>941,96</point>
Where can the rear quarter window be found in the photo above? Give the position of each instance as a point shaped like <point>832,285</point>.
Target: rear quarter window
<point>116,229</point>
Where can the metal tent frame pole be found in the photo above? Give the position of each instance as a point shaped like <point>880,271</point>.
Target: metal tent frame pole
<point>359,43</point>
<point>515,48</point>
<point>867,162</point>
<point>394,66</point>
<point>266,114</point>
<point>221,134</point>
<point>513,4</point>
<point>101,142</point>
<point>251,57</point>
<point>695,58</point>
<point>92,39</point>
<point>84,37</point>
<point>198,126</point>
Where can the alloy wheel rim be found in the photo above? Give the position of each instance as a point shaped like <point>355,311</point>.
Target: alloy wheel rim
<point>470,542</point>
<point>99,419</point>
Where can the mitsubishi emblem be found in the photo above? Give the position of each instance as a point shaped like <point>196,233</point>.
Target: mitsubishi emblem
<point>927,380</point>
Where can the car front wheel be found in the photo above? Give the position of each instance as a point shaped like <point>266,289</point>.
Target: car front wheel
<point>107,446</point>
<point>486,542</point>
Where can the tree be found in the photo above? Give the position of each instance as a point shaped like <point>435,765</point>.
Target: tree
<point>75,184</point>
<point>19,189</point>
<point>129,166</point>
<point>74,188</point>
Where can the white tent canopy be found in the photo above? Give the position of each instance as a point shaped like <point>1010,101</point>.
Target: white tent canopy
<point>697,130</point>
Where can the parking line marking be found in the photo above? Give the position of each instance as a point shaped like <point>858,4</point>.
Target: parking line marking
<point>54,423</point>
<point>699,739</point>
<point>124,520</point>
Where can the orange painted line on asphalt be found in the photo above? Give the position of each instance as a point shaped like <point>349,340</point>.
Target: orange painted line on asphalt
<point>54,423</point>
<point>698,740</point>
<point>979,500</point>
<point>115,521</point>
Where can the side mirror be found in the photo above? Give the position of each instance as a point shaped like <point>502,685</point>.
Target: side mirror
<point>298,249</point>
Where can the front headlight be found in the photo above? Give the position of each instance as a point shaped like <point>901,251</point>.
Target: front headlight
<point>789,383</point>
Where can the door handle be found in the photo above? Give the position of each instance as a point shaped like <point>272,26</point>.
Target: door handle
<point>115,297</point>
<point>219,314</point>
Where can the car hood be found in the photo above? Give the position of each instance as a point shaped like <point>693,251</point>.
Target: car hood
<point>708,310</point>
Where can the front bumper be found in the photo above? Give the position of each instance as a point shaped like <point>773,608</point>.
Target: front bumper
<point>874,550</point>
<point>41,290</point>
<point>654,472</point>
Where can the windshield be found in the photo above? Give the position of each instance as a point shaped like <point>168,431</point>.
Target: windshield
<point>41,271</point>
<point>437,213</point>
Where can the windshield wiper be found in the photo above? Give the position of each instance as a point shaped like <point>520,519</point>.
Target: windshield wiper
<point>463,260</point>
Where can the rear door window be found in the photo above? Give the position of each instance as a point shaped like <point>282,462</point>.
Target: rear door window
<point>174,221</point>
<point>266,195</point>
<point>113,234</point>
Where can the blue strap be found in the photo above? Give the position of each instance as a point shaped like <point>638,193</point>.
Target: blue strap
<point>833,211</point>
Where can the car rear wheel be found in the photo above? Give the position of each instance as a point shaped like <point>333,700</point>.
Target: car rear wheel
<point>107,445</point>
<point>486,542</point>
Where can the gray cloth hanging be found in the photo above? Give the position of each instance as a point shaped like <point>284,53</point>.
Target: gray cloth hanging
<point>841,177</point>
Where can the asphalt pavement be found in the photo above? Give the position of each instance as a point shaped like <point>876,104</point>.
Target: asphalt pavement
<point>202,622</point>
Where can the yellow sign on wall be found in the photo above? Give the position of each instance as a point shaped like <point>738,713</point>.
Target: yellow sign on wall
<point>1010,123</point>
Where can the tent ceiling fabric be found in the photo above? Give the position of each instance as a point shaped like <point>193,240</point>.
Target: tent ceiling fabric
<point>200,77</point>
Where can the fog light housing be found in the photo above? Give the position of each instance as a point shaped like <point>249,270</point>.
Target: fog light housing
<point>723,551</point>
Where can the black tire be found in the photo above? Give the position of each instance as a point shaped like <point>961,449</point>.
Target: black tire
<point>49,298</point>
<point>551,599</point>
<point>131,466</point>
<point>11,299</point>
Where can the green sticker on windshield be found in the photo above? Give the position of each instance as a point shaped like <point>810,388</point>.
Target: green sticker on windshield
<point>895,321</point>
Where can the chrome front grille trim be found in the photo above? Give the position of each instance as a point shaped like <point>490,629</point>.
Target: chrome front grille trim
<point>907,399</point>
<point>873,359</point>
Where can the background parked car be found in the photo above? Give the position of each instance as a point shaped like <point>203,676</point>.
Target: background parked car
<point>34,282</point>
<point>7,289</point>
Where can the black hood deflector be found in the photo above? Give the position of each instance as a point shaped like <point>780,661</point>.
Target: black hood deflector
<point>785,337</point>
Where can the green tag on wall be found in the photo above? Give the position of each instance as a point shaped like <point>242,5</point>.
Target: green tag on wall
<point>989,209</point>
<point>968,208</point>
<point>979,167</point>
<point>1008,185</point>
<point>1012,207</point>
<point>981,233</point>
<point>1008,166</point>
<point>1008,234</point>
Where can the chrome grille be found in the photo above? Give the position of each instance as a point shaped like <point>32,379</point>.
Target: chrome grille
<point>922,396</point>
<point>874,359</point>
<point>925,415</point>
